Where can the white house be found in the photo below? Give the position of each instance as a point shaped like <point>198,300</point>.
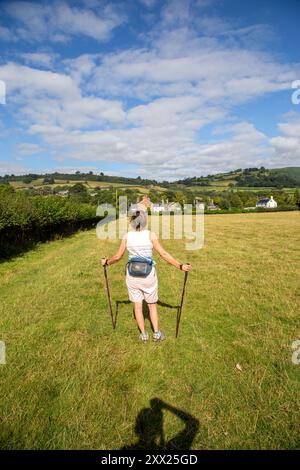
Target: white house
<point>174,207</point>
<point>63,193</point>
<point>157,208</point>
<point>160,208</point>
<point>200,206</point>
<point>267,203</point>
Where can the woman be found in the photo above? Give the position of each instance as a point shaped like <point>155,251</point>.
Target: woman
<point>140,243</point>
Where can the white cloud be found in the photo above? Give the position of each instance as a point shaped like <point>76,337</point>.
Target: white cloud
<point>55,99</point>
<point>5,33</point>
<point>44,59</point>
<point>81,67</point>
<point>176,12</point>
<point>287,145</point>
<point>185,112</point>
<point>28,149</point>
<point>148,3</point>
<point>32,82</point>
<point>148,106</point>
<point>180,63</point>
<point>58,21</point>
<point>8,168</point>
<point>168,151</point>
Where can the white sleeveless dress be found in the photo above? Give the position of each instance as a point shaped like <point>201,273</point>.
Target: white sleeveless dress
<point>139,243</point>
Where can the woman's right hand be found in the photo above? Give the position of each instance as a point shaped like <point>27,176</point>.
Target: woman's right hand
<point>186,267</point>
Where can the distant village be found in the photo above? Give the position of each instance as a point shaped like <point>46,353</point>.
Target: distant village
<point>166,206</point>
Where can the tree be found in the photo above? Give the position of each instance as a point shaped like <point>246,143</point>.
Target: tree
<point>27,180</point>
<point>48,180</point>
<point>6,188</point>
<point>179,197</point>
<point>154,196</point>
<point>243,195</point>
<point>223,203</point>
<point>235,201</point>
<point>80,192</point>
<point>169,195</point>
<point>251,201</point>
<point>297,197</point>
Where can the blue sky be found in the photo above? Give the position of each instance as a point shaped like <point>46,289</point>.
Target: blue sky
<point>160,89</point>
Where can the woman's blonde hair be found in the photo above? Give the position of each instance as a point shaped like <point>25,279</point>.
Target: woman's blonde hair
<point>138,220</point>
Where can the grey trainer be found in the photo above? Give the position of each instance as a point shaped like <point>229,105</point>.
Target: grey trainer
<point>158,336</point>
<point>144,336</point>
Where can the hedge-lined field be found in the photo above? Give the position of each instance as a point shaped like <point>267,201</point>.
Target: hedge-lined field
<point>71,382</point>
<point>25,220</point>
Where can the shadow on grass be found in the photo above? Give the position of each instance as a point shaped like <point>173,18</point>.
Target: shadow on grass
<point>163,304</point>
<point>145,308</point>
<point>118,303</point>
<point>149,428</point>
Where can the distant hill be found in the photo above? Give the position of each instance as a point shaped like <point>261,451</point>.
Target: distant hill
<point>292,171</point>
<point>75,177</point>
<point>250,178</point>
<point>288,177</point>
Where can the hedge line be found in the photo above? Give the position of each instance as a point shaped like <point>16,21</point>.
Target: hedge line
<point>19,210</point>
<point>26,220</point>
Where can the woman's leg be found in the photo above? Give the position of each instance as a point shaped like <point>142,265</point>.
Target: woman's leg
<point>138,311</point>
<point>153,316</point>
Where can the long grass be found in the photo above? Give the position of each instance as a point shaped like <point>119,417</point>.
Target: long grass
<point>71,382</point>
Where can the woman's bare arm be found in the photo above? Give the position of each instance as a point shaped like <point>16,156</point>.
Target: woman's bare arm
<point>167,257</point>
<point>117,256</point>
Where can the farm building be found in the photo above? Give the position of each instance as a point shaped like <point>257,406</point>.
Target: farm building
<point>267,203</point>
<point>63,193</point>
<point>140,205</point>
<point>174,207</point>
<point>156,207</point>
<point>212,206</point>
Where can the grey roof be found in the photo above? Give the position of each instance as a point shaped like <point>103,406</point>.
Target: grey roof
<point>263,201</point>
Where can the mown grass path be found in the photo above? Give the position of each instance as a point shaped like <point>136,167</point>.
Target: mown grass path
<point>71,382</point>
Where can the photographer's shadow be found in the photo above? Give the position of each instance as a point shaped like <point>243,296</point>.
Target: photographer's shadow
<point>149,428</point>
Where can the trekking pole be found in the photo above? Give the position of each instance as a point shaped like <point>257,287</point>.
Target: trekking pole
<point>108,296</point>
<point>181,303</point>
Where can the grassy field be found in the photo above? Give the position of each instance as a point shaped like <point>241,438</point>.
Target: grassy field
<point>214,186</point>
<point>71,382</point>
<point>38,183</point>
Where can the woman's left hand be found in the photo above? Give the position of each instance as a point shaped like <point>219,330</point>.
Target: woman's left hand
<point>104,261</point>
<point>186,267</point>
